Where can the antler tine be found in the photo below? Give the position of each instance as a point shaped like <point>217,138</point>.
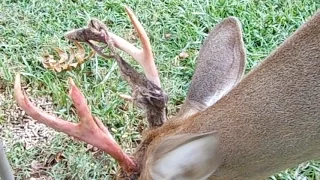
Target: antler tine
<point>144,56</point>
<point>47,119</point>
<point>141,33</point>
<point>90,129</point>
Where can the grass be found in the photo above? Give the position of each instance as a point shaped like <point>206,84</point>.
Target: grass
<point>28,28</point>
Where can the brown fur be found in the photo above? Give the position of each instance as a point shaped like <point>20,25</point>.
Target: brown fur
<point>270,121</point>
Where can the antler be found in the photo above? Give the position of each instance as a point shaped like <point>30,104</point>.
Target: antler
<point>143,56</point>
<point>97,31</point>
<point>147,92</point>
<point>90,129</point>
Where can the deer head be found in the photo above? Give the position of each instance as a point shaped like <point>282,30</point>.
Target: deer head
<point>225,129</point>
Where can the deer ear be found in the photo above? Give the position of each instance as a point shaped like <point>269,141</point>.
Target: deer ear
<point>184,157</point>
<point>220,66</point>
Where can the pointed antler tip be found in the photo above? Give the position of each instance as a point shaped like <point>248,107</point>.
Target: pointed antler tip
<point>18,75</point>
<point>129,12</point>
<point>17,82</point>
<point>127,8</point>
<point>18,94</point>
<point>71,82</point>
<point>72,87</point>
<point>76,95</point>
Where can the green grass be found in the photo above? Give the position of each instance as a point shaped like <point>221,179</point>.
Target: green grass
<point>28,28</point>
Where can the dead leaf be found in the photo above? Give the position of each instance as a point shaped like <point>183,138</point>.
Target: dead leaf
<point>63,55</point>
<point>167,36</point>
<point>126,97</point>
<point>66,62</point>
<point>91,54</point>
<point>98,154</point>
<point>59,157</point>
<point>54,159</point>
<point>80,54</point>
<point>73,65</point>
<point>35,165</point>
<point>183,55</point>
<point>57,68</point>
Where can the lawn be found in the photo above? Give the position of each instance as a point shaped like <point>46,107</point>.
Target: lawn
<point>30,28</point>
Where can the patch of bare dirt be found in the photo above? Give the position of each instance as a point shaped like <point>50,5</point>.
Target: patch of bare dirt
<point>16,126</point>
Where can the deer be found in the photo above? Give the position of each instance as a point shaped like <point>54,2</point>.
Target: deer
<point>230,126</point>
